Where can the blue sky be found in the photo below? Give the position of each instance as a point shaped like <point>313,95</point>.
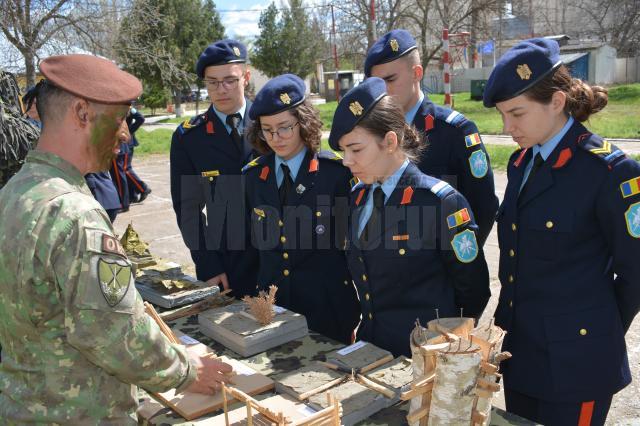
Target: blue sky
<point>240,17</point>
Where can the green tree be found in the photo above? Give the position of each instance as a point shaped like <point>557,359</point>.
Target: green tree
<point>161,40</point>
<point>289,42</point>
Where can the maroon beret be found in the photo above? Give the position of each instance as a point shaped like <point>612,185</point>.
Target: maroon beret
<point>92,78</point>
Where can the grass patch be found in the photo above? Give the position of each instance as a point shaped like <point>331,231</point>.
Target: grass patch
<point>620,118</point>
<point>155,142</point>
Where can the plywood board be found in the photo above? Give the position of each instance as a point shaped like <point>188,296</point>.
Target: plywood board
<point>193,405</point>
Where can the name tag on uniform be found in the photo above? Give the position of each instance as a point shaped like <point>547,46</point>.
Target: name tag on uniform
<point>211,173</point>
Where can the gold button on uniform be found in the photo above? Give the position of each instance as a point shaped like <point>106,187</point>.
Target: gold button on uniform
<point>210,179</point>
<point>283,239</point>
<point>285,255</point>
<point>366,296</point>
<point>280,223</point>
<point>402,252</point>
<point>370,316</point>
<point>511,303</point>
<point>583,331</point>
<point>360,259</point>
<point>286,272</point>
<point>364,277</point>
<point>511,252</point>
<point>346,282</point>
<point>549,224</point>
<point>513,227</point>
<point>318,214</point>
<point>510,278</point>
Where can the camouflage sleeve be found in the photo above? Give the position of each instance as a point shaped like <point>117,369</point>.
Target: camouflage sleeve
<point>104,314</point>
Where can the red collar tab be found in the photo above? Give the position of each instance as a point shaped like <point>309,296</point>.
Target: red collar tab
<point>313,165</point>
<point>520,157</point>
<point>210,129</point>
<point>407,195</point>
<point>264,173</point>
<point>563,158</point>
<point>360,195</point>
<point>428,122</point>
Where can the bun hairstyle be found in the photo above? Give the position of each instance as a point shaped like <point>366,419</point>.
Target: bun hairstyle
<point>583,100</point>
<point>386,116</point>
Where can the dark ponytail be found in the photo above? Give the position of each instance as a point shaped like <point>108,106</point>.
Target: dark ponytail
<point>583,100</point>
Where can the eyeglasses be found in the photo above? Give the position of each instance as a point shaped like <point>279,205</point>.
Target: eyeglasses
<point>227,83</point>
<point>282,132</point>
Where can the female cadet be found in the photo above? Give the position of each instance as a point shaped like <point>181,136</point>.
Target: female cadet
<point>568,230</point>
<point>412,245</point>
<point>294,194</point>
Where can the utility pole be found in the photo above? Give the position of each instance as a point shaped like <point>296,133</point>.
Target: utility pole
<point>335,55</point>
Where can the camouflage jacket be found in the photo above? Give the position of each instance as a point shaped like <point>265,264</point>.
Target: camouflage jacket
<point>74,335</point>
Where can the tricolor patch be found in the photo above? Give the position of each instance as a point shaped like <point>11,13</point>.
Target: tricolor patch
<point>458,218</point>
<point>630,187</point>
<point>472,140</point>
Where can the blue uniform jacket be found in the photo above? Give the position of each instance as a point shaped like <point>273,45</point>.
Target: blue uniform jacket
<point>422,260</point>
<point>134,121</point>
<point>455,154</point>
<point>206,171</point>
<point>103,190</point>
<point>302,248</point>
<point>569,270</point>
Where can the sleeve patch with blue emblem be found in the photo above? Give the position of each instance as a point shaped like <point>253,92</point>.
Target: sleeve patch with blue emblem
<point>632,217</point>
<point>630,187</point>
<point>465,246</point>
<point>479,164</point>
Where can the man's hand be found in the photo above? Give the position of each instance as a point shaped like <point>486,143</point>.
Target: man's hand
<point>219,279</point>
<point>211,372</point>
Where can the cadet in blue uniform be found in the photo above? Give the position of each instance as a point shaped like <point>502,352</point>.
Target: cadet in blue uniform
<point>569,233</point>
<point>454,151</point>
<point>119,177</point>
<point>207,155</point>
<point>297,198</point>
<point>138,189</point>
<point>412,246</point>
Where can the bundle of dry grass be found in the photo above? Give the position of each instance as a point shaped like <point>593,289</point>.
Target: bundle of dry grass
<point>261,306</point>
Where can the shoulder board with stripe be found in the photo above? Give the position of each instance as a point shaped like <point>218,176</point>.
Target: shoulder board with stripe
<point>329,155</point>
<point>441,189</point>
<point>251,164</point>
<point>354,182</point>
<point>191,123</point>
<point>601,148</point>
<point>451,117</point>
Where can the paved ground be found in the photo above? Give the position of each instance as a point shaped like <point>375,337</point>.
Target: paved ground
<point>155,221</point>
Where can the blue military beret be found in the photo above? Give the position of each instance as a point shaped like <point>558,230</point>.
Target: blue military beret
<point>389,47</point>
<point>279,94</point>
<point>354,106</point>
<point>221,52</point>
<point>520,68</point>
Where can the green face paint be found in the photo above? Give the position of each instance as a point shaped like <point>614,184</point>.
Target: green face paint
<point>103,137</point>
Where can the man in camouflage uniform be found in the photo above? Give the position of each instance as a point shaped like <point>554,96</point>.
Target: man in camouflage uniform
<point>73,329</point>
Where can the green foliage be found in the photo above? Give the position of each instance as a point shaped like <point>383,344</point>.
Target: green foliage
<point>154,96</point>
<point>160,40</point>
<point>154,142</point>
<point>288,43</point>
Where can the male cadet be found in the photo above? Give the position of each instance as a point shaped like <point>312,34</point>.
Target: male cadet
<point>74,334</point>
<point>455,152</point>
<point>207,156</point>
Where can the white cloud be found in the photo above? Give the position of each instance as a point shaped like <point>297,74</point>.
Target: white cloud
<point>242,20</point>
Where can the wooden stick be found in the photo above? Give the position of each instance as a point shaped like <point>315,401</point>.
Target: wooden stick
<point>491,386</point>
<point>422,382</point>
<point>224,405</point>
<point>488,368</point>
<point>150,310</point>
<point>377,363</point>
<point>195,308</point>
<point>410,394</point>
<point>363,380</point>
<point>324,387</point>
<point>417,415</point>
